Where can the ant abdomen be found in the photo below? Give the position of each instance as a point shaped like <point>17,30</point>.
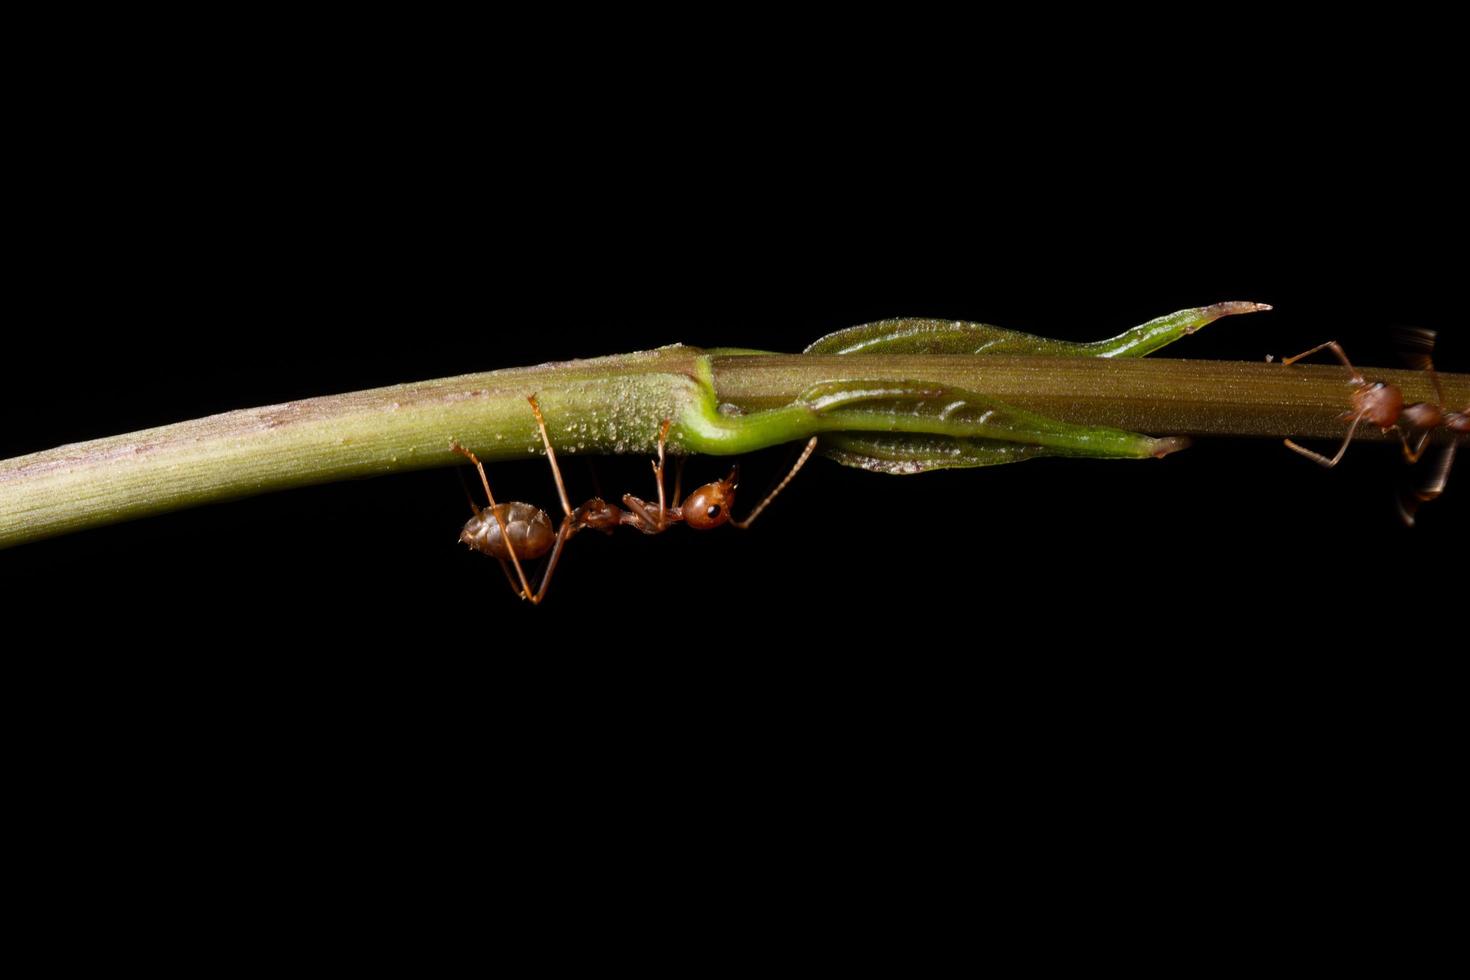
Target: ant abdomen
<point>527,526</point>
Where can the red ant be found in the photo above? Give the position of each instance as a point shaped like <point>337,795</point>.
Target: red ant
<point>1383,405</point>
<point>517,530</point>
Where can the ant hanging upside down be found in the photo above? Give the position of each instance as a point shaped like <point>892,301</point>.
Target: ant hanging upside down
<point>1382,404</point>
<point>513,531</point>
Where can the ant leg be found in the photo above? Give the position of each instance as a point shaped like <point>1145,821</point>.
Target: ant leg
<point>474,508</point>
<point>505,567</point>
<point>1435,486</point>
<point>562,537</point>
<point>638,515</point>
<point>1336,349</point>
<point>800,462</point>
<point>561,489</point>
<point>1412,455</point>
<point>1417,347</point>
<point>1431,490</point>
<point>1421,358</point>
<point>679,482</point>
<point>1318,457</point>
<point>495,513</point>
<point>658,474</point>
<point>592,476</point>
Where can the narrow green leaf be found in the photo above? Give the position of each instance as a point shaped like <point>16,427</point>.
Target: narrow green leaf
<point>927,336</point>
<point>1027,434</point>
<point>902,454</point>
<point>913,407</point>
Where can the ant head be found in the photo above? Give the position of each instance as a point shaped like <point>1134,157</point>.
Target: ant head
<point>1380,403</point>
<point>710,505</point>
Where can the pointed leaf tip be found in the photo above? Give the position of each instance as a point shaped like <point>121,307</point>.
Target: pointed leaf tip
<point>1235,307</point>
<point>1170,444</point>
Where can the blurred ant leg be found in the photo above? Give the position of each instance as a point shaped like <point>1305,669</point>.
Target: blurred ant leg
<point>1318,457</point>
<point>525,592</point>
<point>1436,485</point>
<point>679,482</point>
<point>1434,379</point>
<point>1406,510</point>
<point>1407,507</point>
<point>663,438</point>
<point>561,490</point>
<point>592,476</point>
<point>1412,455</point>
<point>1416,346</point>
<point>474,508</point>
<point>806,454</point>
<point>1336,349</point>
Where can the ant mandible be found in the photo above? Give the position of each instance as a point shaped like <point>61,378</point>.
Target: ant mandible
<point>513,531</point>
<point>1383,405</point>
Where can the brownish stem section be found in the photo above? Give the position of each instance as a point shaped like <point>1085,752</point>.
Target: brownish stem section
<point>1160,396</point>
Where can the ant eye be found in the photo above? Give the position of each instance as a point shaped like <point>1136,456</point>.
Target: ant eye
<point>707,507</point>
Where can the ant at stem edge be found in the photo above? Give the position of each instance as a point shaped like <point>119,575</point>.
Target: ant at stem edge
<point>1382,404</point>
<point>515,530</point>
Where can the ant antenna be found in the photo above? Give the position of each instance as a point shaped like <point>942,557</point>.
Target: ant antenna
<point>800,462</point>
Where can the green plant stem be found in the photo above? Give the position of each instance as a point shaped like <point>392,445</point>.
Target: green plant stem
<point>616,404</point>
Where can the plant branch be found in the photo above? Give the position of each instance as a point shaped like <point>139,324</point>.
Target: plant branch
<point>616,404</point>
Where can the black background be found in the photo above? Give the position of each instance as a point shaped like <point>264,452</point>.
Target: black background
<point>1083,664</point>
